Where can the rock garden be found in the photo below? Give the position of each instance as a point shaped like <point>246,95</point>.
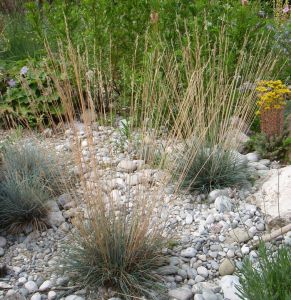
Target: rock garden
<point>155,169</point>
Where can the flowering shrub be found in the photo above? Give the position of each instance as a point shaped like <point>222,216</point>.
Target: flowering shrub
<point>271,102</point>
<point>27,95</point>
<point>272,95</point>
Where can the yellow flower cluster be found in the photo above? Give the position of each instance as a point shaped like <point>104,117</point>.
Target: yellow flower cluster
<point>272,95</point>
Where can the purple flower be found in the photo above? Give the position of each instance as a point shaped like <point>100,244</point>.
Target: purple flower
<point>12,83</point>
<point>24,70</point>
<point>286,9</point>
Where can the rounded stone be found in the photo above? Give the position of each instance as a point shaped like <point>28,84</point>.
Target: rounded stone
<point>3,242</point>
<point>181,294</point>
<point>260,226</point>
<point>46,285</point>
<point>52,295</point>
<point>189,219</point>
<point>227,267</point>
<point>202,271</point>
<point>245,249</point>
<point>36,296</point>
<point>223,204</point>
<point>199,278</point>
<point>31,286</point>
<point>22,280</point>
<point>189,252</point>
<point>2,251</point>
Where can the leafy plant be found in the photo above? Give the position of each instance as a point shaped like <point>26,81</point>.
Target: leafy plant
<point>213,168</point>
<point>28,179</point>
<point>267,279</point>
<point>27,95</point>
<point>273,147</point>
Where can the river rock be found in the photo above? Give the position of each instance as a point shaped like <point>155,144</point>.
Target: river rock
<point>228,285</point>
<point>227,267</point>
<point>181,294</point>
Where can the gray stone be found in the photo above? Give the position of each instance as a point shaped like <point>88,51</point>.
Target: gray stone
<point>52,206</point>
<point>189,219</point>
<point>239,235</point>
<point>15,296</point>
<point>223,204</point>
<point>260,226</point>
<point>209,219</point>
<point>168,270</point>
<point>24,292</point>
<point>22,280</point>
<point>198,297</point>
<point>128,166</point>
<point>199,278</point>
<point>64,199</point>
<point>227,267</point>
<point>36,296</point>
<point>216,193</point>
<point>31,286</point>
<point>55,218</point>
<point>74,297</point>
<point>252,156</point>
<point>3,242</point>
<point>181,294</point>
<point>198,288</point>
<point>258,166</point>
<point>189,252</point>
<point>228,285</point>
<point>182,273</point>
<point>4,285</point>
<point>245,250</point>
<point>2,251</point>
<point>265,162</point>
<point>46,285</point>
<point>202,271</point>
<point>209,295</point>
<point>62,281</point>
<point>52,295</point>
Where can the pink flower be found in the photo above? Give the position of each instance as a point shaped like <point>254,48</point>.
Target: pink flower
<point>286,9</point>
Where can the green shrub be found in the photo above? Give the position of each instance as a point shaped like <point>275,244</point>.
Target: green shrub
<point>212,168</point>
<point>27,95</point>
<point>28,179</point>
<point>270,278</point>
<point>114,252</point>
<point>114,27</point>
<point>273,148</point>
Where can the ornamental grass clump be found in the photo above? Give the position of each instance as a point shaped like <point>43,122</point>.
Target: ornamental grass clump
<point>117,252</point>
<point>117,243</point>
<point>214,168</point>
<point>29,179</point>
<point>269,278</point>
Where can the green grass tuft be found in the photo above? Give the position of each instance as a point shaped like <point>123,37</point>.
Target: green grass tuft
<point>29,178</point>
<point>122,257</point>
<point>213,169</point>
<point>270,279</point>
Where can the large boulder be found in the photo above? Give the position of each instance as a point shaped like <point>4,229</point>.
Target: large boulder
<point>274,195</point>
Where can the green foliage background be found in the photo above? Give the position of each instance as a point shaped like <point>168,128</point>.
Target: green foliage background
<point>122,34</point>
